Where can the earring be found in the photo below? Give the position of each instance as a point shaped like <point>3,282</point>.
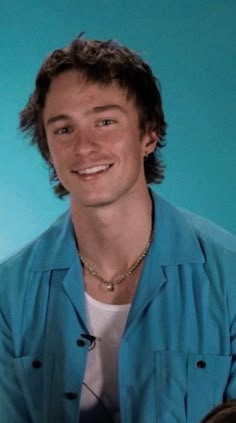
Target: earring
<point>146,156</point>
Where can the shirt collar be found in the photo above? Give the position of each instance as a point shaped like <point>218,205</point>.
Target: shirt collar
<point>174,240</point>
<point>56,248</point>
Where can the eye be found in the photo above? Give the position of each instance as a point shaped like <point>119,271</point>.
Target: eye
<point>107,122</point>
<point>64,130</point>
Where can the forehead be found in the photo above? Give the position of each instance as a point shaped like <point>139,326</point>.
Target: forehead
<point>71,86</point>
<point>73,96</point>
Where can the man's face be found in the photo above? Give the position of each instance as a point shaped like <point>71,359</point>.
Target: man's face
<point>94,139</point>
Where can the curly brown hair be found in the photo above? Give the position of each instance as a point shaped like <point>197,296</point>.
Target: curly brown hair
<point>101,62</point>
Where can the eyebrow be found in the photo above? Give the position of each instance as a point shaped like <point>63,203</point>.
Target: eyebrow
<point>56,119</point>
<point>96,109</point>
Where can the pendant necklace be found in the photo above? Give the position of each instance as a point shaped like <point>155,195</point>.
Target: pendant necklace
<point>110,284</point>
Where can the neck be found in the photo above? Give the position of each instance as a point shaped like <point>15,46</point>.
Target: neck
<point>113,236</point>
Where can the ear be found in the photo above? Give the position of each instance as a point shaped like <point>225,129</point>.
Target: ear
<point>150,141</point>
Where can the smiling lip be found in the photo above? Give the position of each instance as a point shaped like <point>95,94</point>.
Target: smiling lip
<point>92,171</point>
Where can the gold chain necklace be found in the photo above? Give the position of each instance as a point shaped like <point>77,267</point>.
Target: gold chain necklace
<point>110,285</point>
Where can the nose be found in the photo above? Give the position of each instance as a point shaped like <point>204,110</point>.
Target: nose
<point>84,142</point>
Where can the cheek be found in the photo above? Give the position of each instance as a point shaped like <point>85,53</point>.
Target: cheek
<point>58,162</point>
<point>135,149</point>
<point>58,153</point>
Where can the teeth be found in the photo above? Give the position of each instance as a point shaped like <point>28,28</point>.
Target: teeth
<point>92,170</point>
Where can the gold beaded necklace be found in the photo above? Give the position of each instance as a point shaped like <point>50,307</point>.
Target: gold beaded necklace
<point>110,285</point>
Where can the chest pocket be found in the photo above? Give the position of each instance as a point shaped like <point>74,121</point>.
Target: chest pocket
<point>188,385</point>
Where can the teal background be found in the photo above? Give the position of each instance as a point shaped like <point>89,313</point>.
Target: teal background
<point>191,46</point>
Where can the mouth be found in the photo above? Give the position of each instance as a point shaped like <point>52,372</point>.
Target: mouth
<point>90,172</point>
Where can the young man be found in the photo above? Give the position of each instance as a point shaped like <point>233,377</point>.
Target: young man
<point>124,310</point>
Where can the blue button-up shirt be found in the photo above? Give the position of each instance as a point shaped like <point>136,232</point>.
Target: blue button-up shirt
<point>177,353</point>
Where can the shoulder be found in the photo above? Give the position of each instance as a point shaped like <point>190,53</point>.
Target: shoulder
<point>193,238</point>
<point>14,269</point>
<point>190,231</point>
<point>184,222</point>
<point>213,247</point>
<point>209,234</point>
<point>219,250</point>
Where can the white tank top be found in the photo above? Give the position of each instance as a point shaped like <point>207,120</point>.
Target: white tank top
<point>100,394</point>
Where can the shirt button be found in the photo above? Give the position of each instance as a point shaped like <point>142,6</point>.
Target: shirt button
<point>70,395</point>
<point>201,364</point>
<point>36,364</point>
<point>80,342</point>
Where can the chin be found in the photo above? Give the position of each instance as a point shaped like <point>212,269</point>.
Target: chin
<point>93,201</point>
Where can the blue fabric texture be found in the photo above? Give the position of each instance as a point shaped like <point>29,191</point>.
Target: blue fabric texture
<point>177,354</point>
